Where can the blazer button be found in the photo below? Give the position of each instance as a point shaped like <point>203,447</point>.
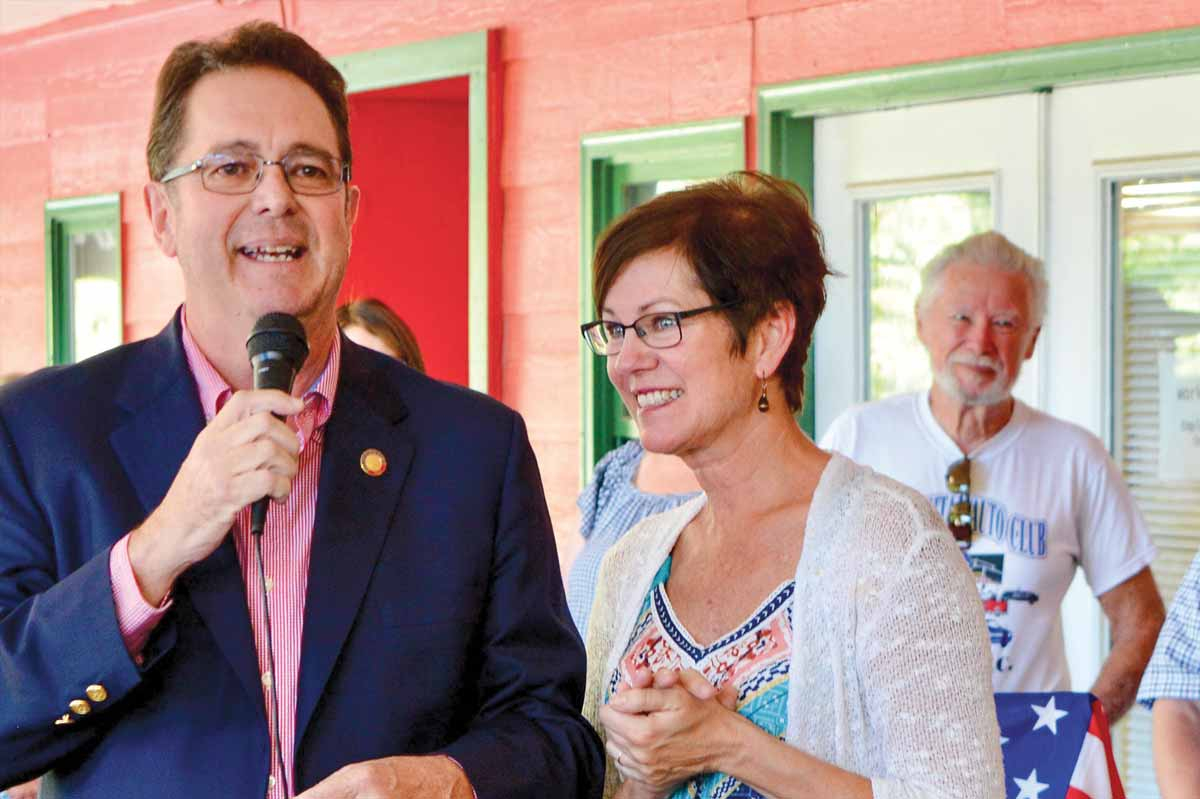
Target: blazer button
<point>80,707</point>
<point>96,693</point>
<point>66,719</point>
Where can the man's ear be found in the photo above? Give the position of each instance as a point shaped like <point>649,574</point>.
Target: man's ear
<point>773,335</point>
<point>918,315</point>
<point>353,197</point>
<point>162,217</point>
<point>1033,343</point>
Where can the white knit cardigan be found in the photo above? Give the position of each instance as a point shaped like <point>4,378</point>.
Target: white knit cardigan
<point>891,665</point>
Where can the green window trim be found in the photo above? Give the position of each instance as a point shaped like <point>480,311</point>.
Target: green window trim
<point>474,55</point>
<point>1142,56</point>
<point>610,162</point>
<point>787,111</point>
<point>64,218</point>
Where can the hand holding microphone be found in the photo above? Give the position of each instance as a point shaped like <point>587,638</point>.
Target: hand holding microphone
<point>245,455</point>
<point>277,347</point>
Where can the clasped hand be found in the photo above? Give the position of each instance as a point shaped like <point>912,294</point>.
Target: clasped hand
<point>667,727</point>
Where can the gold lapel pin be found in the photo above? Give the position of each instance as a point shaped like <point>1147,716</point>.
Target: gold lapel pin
<point>372,462</point>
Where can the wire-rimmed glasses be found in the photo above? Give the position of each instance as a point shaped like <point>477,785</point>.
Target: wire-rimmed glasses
<point>659,329</point>
<point>307,172</point>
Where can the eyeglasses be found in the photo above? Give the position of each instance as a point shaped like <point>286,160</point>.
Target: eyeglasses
<point>660,330</point>
<point>958,481</point>
<point>306,172</point>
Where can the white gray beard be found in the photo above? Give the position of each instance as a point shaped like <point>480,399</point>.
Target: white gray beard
<point>947,382</point>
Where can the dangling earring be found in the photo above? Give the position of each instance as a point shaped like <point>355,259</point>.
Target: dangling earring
<point>764,404</point>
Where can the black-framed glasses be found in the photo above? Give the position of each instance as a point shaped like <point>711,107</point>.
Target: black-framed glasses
<point>960,520</point>
<point>306,172</point>
<point>660,329</point>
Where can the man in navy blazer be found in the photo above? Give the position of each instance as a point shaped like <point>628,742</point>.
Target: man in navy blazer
<point>436,656</point>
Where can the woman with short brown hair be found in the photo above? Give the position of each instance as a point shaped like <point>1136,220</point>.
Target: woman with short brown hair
<point>806,627</point>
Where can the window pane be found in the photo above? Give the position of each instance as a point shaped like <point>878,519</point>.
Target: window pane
<point>903,234</point>
<point>95,280</point>
<point>1157,224</point>
<point>637,193</point>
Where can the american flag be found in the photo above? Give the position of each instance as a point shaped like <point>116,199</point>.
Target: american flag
<point>1056,746</point>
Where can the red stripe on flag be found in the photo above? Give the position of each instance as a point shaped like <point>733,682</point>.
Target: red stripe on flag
<point>1099,727</point>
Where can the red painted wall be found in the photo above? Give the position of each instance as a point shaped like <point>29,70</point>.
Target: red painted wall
<point>410,242</point>
<point>76,98</point>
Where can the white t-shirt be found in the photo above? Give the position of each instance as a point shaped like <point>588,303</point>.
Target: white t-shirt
<point>1045,496</point>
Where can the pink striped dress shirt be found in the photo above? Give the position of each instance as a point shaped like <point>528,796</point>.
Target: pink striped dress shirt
<point>286,545</point>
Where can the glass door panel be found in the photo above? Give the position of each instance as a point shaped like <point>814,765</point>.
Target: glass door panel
<point>1156,225</point>
<point>902,234</point>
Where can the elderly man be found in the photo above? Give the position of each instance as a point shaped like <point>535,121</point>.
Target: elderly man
<point>408,636</point>
<point>1029,496</point>
<point>1171,687</point>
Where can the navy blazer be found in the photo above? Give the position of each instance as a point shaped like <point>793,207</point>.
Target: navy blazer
<point>434,620</point>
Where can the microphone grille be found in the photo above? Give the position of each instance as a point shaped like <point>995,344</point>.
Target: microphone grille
<point>281,333</point>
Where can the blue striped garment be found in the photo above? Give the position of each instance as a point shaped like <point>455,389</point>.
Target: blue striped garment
<point>610,504</point>
<point>1174,670</point>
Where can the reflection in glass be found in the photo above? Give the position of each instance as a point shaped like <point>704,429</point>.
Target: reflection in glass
<point>903,234</point>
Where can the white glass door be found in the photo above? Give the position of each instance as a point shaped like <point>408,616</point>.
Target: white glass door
<point>1125,241</point>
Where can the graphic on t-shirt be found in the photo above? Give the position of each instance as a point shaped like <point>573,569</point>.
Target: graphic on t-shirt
<point>991,519</point>
<point>988,568</point>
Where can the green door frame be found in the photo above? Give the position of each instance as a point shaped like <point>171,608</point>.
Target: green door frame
<point>611,161</point>
<point>62,218</point>
<point>787,112</point>
<point>476,56</point>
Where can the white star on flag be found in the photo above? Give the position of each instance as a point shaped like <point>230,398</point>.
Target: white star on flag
<point>1030,788</point>
<point>1048,716</point>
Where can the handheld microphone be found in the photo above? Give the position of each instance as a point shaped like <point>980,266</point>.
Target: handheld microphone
<point>277,347</point>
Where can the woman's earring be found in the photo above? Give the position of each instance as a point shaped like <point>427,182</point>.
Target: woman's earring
<point>764,404</point>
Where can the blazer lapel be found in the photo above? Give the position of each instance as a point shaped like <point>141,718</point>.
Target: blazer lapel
<point>354,513</point>
<point>164,419</point>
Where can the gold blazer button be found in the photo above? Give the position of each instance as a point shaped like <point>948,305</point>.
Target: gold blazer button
<point>80,707</point>
<point>372,462</point>
<point>96,693</point>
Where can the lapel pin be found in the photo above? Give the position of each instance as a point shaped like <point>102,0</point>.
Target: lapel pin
<point>372,462</point>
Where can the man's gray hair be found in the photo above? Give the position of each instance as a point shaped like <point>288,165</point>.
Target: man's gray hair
<point>989,249</point>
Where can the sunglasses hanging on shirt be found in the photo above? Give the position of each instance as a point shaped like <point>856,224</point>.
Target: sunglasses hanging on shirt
<point>960,520</point>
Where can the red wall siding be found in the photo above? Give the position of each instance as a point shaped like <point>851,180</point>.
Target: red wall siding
<point>76,98</point>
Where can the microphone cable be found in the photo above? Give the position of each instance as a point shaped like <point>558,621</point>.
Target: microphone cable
<point>278,736</point>
<point>277,346</point>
